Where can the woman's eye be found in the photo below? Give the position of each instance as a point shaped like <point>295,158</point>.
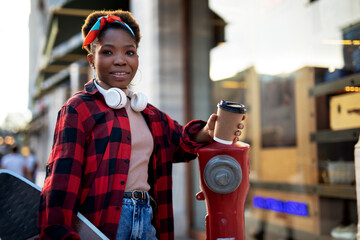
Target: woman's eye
<point>130,53</point>
<point>106,52</point>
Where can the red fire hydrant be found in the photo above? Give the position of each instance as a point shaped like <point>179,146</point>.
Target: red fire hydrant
<point>224,184</point>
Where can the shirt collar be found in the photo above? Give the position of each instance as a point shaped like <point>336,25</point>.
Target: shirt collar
<point>90,87</point>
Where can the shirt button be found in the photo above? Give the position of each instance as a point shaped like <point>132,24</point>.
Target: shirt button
<point>126,160</point>
<point>111,234</point>
<point>124,115</point>
<point>117,208</point>
<point>122,182</point>
<point>128,137</point>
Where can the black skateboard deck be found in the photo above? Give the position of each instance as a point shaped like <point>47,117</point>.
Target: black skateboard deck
<point>19,205</point>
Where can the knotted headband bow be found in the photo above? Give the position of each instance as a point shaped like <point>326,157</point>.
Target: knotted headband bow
<point>100,24</point>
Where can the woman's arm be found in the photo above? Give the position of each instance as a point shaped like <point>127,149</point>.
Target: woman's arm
<point>59,197</point>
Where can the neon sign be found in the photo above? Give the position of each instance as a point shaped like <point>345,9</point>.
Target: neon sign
<point>276,205</point>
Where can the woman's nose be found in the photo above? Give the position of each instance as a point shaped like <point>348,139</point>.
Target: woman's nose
<point>119,60</point>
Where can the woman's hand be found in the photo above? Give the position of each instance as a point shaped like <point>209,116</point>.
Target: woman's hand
<point>207,133</point>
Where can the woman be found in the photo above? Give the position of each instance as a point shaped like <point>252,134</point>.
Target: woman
<point>111,158</point>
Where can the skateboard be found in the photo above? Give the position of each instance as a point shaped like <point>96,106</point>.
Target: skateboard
<point>19,205</point>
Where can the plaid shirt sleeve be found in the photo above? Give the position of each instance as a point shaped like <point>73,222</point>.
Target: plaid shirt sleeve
<point>59,198</point>
<point>187,143</point>
<point>175,139</point>
<point>187,148</point>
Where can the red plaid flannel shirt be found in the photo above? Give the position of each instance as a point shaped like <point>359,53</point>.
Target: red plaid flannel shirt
<point>89,162</point>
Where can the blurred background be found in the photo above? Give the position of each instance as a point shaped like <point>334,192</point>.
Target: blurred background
<point>294,64</point>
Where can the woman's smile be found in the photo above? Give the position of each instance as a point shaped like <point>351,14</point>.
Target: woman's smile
<point>120,75</point>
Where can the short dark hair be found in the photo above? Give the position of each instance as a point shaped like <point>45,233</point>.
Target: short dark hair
<point>14,148</point>
<point>125,16</point>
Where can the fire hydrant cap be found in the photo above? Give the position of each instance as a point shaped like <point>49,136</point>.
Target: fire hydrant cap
<point>222,174</point>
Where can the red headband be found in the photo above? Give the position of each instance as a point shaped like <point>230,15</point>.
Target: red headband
<point>100,24</point>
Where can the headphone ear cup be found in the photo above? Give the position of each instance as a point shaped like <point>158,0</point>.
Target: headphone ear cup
<point>115,98</point>
<point>138,101</point>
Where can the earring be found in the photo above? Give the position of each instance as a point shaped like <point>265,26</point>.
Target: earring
<point>94,73</point>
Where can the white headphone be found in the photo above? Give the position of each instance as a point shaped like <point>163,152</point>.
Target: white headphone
<point>115,98</point>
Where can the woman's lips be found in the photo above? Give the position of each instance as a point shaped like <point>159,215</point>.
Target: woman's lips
<point>119,74</point>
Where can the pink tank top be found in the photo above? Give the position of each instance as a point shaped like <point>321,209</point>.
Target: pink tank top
<point>141,149</point>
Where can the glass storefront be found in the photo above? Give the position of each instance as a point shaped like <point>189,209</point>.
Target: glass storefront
<point>296,67</point>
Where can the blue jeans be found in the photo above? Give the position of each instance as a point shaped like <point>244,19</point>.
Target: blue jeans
<point>135,220</point>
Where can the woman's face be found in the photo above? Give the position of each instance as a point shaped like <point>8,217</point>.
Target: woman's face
<point>115,59</point>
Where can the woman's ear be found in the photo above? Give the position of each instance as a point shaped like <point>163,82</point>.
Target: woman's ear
<point>90,58</point>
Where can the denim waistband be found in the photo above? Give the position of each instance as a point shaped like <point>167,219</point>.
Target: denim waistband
<point>140,201</point>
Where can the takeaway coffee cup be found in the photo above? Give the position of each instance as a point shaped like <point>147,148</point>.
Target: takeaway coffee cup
<point>229,115</point>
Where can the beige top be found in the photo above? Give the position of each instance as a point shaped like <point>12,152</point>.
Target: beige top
<point>141,148</point>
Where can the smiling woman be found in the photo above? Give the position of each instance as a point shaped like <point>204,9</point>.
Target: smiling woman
<point>109,160</point>
<point>14,61</point>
